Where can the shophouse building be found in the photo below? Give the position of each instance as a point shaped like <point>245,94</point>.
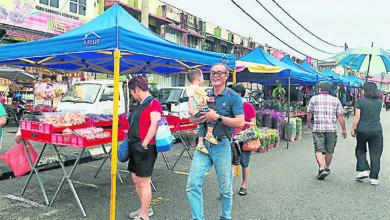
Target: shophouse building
<point>25,20</point>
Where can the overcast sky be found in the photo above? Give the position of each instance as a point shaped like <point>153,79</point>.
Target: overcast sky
<point>356,22</point>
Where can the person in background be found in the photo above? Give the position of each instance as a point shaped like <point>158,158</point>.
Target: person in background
<point>387,101</point>
<point>229,113</point>
<point>250,121</point>
<point>326,110</point>
<point>142,143</point>
<point>197,103</point>
<point>367,128</point>
<point>3,121</point>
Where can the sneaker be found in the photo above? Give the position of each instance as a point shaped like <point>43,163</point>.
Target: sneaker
<point>202,148</point>
<point>135,214</point>
<point>362,175</point>
<point>210,138</point>
<point>322,174</point>
<point>327,170</point>
<point>374,182</point>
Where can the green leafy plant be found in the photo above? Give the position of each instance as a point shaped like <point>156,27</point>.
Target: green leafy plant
<point>278,90</point>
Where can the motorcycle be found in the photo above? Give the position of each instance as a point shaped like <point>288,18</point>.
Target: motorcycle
<point>19,111</point>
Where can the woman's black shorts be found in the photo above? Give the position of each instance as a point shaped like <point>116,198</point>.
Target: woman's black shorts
<point>141,161</point>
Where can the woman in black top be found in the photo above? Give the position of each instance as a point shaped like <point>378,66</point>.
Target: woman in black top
<point>368,129</point>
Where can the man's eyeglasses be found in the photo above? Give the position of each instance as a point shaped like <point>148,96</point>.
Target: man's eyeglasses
<point>217,73</point>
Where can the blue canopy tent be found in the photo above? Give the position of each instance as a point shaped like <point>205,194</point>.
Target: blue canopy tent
<point>258,55</point>
<point>356,80</point>
<point>113,43</point>
<point>290,73</point>
<point>320,76</point>
<point>336,76</point>
<point>327,76</point>
<point>349,80</point>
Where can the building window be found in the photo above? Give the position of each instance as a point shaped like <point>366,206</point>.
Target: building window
<point>173,35</point>
<point>78,6</point>
<point>192,41</point>
<point>224,49</point>
<point>52,3</point>
<point>210,46</point>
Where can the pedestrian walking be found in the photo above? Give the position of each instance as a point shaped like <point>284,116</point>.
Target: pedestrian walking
<point>368,129</point>
<point>250,121</point>
<point>228,113</point>
<point>326,109</point>
<point>142,143</point>
<point>387,101</point>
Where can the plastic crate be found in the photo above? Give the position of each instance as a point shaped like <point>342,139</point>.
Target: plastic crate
<point>178,124</point>
<point>173,122</point>
<point>36,136</point>
<point>78,141</point>
<point>46,128</point>
<point>121,122</point>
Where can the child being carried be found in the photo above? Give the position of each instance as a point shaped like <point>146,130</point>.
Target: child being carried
<point>197,103</point>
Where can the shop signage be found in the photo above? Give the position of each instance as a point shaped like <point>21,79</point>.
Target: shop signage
<point>30,15</point>
<point>277,54</point>
<point>308,60</point>
<point>91,40</point>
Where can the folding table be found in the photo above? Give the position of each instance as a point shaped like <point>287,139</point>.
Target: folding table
<point>75,141</point>
<point>186,148</point>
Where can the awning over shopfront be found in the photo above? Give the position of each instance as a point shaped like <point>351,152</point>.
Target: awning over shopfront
<point>197,35</point>
<point>11,73</point>
<point>177,28</point>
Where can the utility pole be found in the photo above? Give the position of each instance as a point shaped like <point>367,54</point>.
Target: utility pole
<point>145,13</point>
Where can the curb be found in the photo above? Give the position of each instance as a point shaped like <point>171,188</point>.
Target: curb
<point>51,162</point>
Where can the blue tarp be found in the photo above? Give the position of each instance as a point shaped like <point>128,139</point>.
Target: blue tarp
<point>90,48</point>
<point>258,55</point>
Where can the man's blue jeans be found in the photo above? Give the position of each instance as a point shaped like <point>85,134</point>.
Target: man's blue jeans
<point>221,157</point>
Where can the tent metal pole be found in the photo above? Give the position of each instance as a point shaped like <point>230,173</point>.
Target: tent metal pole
<point>114,144</point>
<point>369,62</point>
<point>288,105</point>
<point>234,76</point>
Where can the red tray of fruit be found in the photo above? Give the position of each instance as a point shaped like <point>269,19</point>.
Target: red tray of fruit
<point>78,141</point>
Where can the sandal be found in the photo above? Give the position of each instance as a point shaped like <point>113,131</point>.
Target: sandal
<point>243,191</point>
<point>202,148</point>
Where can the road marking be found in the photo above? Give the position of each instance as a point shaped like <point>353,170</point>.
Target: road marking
<point>86,184</point>
<point>50,213</point>
<point>184,173</point>
<point>32,203</point>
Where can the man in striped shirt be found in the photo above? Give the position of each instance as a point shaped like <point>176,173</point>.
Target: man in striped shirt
<point>326,109</point>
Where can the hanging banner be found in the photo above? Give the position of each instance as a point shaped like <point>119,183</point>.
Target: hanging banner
<point>308,60</point>
<point>277,54</point>
<point>39,17</point>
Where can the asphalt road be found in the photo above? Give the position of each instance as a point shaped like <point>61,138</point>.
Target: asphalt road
<point>282,185</point>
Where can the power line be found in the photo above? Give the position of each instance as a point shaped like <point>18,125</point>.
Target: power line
<point>290,29</point>
<point>305,27</point>
<point>270,31</point>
